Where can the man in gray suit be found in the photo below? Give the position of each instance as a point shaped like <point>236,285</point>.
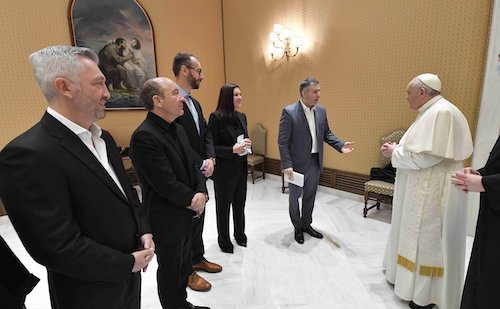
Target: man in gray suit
<point>303,127</point>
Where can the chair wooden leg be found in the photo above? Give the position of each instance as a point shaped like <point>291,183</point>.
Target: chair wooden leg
<point>365,210</point>
<point>282,183</point>
<point>252,169</point>
<point>263,171</point>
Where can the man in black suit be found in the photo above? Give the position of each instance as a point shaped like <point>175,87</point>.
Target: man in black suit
<point>174,189</point>
<point>67,194</point>
<point>188,76</point>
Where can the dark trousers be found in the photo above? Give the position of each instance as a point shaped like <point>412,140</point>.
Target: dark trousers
<point>174,268</point>
<point>66,292</point>
<point>231,189</point>
<point>308,192</point>
<point>197,246</point>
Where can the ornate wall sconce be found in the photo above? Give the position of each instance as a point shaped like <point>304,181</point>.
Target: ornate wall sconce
<point>283,43</point>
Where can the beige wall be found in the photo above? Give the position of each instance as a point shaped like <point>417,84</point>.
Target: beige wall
<point>364,53</point>
<point>188,25</point>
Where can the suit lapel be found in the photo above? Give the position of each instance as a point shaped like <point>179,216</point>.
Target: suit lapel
<point>243,123</point>
<point>117,164</point>
<point>189,115</point>
<point>77,148</point>
<point>319,134</point>
<point>302,116</point>
<point>197,106</point>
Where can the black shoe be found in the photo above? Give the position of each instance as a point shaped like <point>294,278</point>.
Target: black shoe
<point>299,236</point>
<point>188,305</point>
<point>242,243</point>
<point>309,230</point>
<point>415,306</point>
<point>227,248</point>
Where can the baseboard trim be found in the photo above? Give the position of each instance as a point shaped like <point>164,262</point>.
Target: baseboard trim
<point>332,178</point>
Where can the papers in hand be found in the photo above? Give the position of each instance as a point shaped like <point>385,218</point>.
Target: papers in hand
<point>298,179</point>
<point>246,150</point>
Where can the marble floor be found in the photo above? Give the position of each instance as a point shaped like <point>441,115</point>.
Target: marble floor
<point>342,270</point>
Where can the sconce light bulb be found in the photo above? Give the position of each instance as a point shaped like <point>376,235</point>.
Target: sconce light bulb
<point>296,41</point>
<point>287,32</point>
<point>277,28</point>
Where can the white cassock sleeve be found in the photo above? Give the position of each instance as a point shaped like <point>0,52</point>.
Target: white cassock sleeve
<point>402,158</point>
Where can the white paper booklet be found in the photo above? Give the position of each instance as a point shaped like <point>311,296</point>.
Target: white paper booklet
<point>247,150</point>
<point>298,179</point>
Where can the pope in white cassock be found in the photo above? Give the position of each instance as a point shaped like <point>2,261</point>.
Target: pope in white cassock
<point>425,252</point>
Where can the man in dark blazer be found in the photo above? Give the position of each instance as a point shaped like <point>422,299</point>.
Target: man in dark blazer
<point>67,194</point>
<point>303,128</point>
<point>188,76</point>
<point>174,189</point>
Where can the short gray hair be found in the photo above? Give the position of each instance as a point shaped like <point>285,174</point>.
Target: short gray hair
<point>308,81</point>
<point>58,61</point>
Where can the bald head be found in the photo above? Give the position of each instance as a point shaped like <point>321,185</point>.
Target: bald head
<point>161,96</point>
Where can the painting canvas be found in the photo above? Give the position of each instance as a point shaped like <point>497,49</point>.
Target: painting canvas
<point>120,33</point>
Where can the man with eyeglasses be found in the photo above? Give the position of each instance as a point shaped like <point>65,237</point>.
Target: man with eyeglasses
<point>188,74</point>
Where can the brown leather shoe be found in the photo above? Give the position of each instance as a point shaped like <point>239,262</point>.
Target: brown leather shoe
<point>207,266</point>
<point>197,283</point>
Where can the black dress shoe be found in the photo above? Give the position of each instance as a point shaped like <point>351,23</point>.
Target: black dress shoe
<point>242,243</point>
<point>309,230</point>
<point>188,305</point>
<point>227,249</point>
<point>299,236</point>
<point>415,306</point>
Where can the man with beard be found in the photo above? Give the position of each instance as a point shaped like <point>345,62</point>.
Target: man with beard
<point>67,193</point>
<point>188,76</point>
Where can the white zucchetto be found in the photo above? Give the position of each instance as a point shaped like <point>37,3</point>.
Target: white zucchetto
<point>431,80</point>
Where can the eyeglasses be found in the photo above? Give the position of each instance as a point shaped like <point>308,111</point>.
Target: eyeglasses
<point>196,69</point>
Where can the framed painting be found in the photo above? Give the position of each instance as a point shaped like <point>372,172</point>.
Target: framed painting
<point>120,33</point>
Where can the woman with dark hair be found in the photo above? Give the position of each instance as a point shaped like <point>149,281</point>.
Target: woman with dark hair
<point>230,134</point>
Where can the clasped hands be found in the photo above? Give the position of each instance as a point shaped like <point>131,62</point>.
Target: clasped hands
<point>208,167</point>
<point>145,255</point>
<point>468,179</point>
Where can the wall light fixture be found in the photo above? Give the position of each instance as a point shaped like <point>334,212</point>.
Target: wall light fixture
<point>283,43</point>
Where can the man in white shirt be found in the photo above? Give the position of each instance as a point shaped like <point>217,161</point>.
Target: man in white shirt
<point>67,194</point>
<point>426,248</point>
<point>303,128</point>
